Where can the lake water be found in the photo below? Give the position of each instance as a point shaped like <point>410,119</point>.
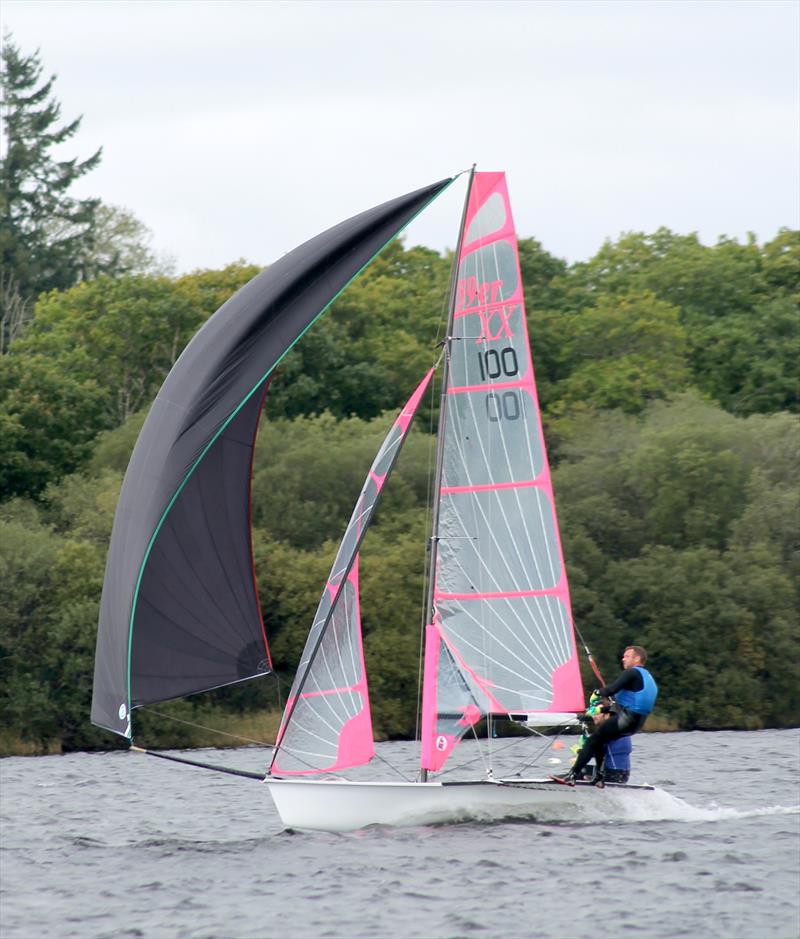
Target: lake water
<point>122,845</point>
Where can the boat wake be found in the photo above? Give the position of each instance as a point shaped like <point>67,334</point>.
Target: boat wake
<point>663,806</point>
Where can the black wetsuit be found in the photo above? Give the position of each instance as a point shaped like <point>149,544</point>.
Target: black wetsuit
<point>622,723</point>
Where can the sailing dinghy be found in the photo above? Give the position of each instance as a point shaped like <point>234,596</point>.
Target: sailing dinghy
<point>180,611</point>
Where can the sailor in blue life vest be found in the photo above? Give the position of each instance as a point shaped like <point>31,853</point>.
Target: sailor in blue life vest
<point>634,694</point>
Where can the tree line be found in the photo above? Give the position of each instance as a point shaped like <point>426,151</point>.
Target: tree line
<point>668,381</point>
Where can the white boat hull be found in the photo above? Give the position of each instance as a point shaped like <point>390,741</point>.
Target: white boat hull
<point>341,805</point>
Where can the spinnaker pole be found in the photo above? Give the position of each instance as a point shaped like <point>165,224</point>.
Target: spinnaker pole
<point>437,480</point>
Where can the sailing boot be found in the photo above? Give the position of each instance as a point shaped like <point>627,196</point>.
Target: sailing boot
<point>599,776</point>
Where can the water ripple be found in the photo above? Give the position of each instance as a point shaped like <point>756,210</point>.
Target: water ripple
<point>124,849</point>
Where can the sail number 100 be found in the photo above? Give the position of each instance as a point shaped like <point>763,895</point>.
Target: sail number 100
<point>495,363</point>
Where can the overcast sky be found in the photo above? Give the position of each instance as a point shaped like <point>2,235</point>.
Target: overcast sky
<point>239,129</point>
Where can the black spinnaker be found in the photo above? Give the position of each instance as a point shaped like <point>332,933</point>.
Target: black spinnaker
<point>179,612</point>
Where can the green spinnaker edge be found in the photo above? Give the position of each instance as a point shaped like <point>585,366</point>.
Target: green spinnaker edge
<point>233,414</point>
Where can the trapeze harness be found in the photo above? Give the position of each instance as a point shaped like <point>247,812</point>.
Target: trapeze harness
<point>635,693</point>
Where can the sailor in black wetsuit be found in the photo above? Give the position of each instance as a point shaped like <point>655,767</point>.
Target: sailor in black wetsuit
<point>634,693</point>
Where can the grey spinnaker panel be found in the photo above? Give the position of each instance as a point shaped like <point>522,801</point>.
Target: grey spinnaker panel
<point>152,644</point>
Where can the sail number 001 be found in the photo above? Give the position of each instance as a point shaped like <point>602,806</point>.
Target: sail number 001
<point>493,364</point>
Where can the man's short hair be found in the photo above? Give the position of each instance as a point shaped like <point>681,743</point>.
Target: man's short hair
<point>640,651</point>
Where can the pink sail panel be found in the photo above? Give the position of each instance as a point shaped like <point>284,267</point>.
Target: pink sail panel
<point>326,725</point>
<point>501,597</point>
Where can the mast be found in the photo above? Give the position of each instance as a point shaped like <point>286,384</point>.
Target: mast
<point>437,480</point>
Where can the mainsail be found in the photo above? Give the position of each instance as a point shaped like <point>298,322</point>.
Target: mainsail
<point>326,724</point>
<point>179,611</point>
<point>501,638</point>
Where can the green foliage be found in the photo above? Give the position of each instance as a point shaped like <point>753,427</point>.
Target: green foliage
<point>113,448</point>
<point>737,303</point>
<point>666,375</point>
<point>290,584</point>
<point>82,507</point>
<point>392,578</point>
<point>124,333</point>
<point>50,240</point>
<point>94,356</point>
<point>121,244</point>
<point>542,276</point>
<point>48,618</point>
<point>44,232</point>
<point>750,361</point>
<point>624,351</point>
<point>369,352</point>
<point>680,533</point>
<point>303,499</point>
<point>48,419</point>
<point>205,291</point>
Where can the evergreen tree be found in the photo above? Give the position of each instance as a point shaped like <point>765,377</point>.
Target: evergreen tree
<point>45,234</point>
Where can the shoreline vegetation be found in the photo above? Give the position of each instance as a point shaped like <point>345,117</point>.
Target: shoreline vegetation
<point>676,489</point>
<point>233,731</point>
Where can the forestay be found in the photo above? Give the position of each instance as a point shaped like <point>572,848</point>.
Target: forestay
<point>501,640</point>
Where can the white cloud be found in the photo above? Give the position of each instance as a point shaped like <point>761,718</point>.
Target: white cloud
<point>239,129</point>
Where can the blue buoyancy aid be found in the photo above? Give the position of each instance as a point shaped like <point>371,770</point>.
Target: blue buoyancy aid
<point>640,702</point>
<point>618,753</point>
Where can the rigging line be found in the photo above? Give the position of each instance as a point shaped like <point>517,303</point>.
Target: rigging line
<point>589,655</point>
<point>212,766</point>
<point>429,475</point>
<point>213,730</point>
<point>502,749</point>
<point>391,766</point>
<point>430,585</point>
<point>540,752</point>
<point>486,766</point>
